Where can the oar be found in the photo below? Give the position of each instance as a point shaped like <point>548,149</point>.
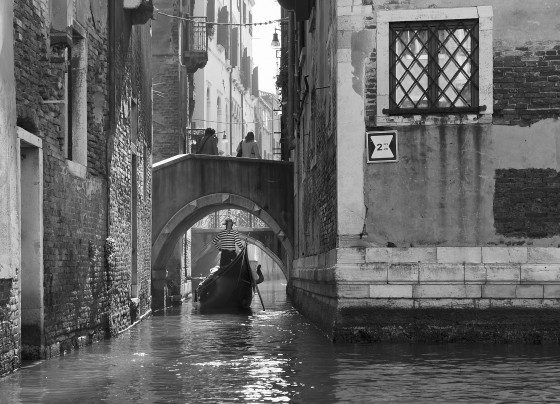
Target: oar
<point>255,286</point>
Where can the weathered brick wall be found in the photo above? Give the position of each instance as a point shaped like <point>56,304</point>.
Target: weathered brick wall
<point>84,296</point>
<point>74,208</point>
<point>171,101</point>
<point>172,113</point>
<point>526,82</point>
<point>526,203</point>
<point>319,212</point>
<point>9,326</point>
<point>168,139</point>
<point>132,71</point>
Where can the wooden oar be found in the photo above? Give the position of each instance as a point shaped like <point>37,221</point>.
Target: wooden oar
<point>255,286</point>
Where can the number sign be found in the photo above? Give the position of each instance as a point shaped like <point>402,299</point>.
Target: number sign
<point>382,146</point>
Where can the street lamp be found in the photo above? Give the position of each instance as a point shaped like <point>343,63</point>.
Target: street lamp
<point>275,42</point>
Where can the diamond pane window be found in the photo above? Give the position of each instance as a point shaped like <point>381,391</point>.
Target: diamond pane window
<point>433,66</point>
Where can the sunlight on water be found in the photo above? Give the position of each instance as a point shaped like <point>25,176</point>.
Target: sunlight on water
<point>275,356</point>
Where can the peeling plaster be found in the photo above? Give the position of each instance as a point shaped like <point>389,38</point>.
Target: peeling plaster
<point>359,44</point>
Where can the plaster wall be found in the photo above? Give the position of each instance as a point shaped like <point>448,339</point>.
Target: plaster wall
<point>10,256</point>
<point>441,192</point>
<point>9,217</point>
<point>394,202</point>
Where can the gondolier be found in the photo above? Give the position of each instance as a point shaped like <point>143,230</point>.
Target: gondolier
<point>226,241</point>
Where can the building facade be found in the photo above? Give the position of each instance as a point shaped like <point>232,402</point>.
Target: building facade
<point>180,42</point>
<point>226,89</point>
<point>78,133</point>
<point>425,140</point>
<point>267,125</point>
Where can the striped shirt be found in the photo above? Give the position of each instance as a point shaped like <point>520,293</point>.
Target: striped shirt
<point>227,239</point>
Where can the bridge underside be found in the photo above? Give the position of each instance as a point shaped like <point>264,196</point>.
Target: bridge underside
<point>187,188</point>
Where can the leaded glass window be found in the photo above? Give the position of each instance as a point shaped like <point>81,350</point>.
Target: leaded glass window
<point>433,66</point>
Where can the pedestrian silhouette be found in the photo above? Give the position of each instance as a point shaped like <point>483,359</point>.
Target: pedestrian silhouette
<point>248,147</point>
<point>208,144</point>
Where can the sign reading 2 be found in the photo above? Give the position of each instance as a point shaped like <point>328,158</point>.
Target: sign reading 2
<point>382,146</point>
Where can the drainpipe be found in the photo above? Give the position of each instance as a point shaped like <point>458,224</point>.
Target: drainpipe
<point>291,93</point>
<point>230,79</point>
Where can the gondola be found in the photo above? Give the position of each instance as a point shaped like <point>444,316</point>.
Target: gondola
<point>228,288</point>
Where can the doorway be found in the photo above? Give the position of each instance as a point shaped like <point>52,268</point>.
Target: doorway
<point>31,208</point>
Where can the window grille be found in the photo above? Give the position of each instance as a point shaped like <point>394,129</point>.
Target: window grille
<point>433,67</point>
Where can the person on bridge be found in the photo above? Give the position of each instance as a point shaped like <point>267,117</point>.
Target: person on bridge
<point>226,241</point>
<point>248,147</point>
<point>208,144</point>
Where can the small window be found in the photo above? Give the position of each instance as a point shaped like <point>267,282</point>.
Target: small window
<point>433,66</point>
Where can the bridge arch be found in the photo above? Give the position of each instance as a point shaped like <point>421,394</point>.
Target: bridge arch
<point>188,187</point>
<point>188,215</point>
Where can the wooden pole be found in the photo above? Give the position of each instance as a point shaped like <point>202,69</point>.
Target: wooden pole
<point>255,286</point>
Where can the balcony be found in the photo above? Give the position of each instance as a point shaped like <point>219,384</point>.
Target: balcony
<point>195,43</point>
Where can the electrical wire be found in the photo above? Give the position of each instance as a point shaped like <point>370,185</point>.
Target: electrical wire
<point>221,23</point>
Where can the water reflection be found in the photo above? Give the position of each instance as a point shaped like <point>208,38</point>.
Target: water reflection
<point>183,356</point>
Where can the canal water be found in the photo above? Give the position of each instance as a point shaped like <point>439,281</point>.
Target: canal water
<point>276,356</point>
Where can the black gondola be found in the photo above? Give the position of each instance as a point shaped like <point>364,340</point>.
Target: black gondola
<point>229,288</point>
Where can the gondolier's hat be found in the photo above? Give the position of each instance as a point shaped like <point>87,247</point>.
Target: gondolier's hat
<point>228,219</point>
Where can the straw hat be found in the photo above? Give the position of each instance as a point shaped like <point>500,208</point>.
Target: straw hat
<point>228,219</point>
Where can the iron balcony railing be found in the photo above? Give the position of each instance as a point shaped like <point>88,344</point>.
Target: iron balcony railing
<point>195,42</point>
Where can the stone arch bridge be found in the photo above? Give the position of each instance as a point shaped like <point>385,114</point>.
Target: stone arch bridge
<point>186,188</point>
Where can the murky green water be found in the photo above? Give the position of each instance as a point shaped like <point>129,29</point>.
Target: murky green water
<point>182,356</point>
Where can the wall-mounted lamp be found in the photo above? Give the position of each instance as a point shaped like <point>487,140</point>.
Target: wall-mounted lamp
<point>275,42</point>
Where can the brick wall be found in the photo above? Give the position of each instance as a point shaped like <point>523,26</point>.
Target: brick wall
<point>318,218</point>
<point>9,327</point>
<point>172,113</point>
<point>132,71</point>
<point>526,82</point>
<point>85,299</point>
<point>168,139</point>
<point>526,203</point>
<point>171,100</point>
<point>74,208</point>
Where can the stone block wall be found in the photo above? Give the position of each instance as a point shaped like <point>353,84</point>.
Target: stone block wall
<point>397,294</point>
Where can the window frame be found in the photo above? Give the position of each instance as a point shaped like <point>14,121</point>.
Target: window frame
<point>386,115</point>
<point>431,49</point>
